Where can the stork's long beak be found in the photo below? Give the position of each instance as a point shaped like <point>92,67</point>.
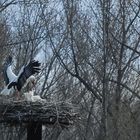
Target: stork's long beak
<point>34,83</point>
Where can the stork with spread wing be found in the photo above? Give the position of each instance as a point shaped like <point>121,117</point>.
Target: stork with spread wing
<point>18,81</point>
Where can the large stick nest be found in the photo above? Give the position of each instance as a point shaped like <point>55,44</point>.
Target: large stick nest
<point>45,113</point>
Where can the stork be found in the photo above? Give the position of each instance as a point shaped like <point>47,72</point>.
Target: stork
<point>24,76</point>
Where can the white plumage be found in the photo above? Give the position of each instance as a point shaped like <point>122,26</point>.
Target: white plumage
<point>11,76</point>
<point>29,96</point>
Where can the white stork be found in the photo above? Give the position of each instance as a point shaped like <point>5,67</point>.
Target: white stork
<point>24,76</point>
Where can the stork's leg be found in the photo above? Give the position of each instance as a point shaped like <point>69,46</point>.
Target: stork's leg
<point>17,95</point>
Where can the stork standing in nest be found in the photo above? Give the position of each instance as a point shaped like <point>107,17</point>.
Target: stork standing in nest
<point>24,77</point>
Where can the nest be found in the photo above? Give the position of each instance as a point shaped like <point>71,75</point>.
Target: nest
<point>46,113</point>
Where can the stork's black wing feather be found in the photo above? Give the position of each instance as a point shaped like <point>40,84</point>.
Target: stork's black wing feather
<point>7,63</point>
<point>26,72</point>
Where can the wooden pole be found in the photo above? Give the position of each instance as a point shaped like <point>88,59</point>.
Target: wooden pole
<point>34,131</point>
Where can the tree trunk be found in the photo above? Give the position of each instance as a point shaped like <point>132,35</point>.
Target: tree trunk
<point>34,131</point>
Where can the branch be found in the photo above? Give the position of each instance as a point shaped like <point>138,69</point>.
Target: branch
<point>132,21</point>
<point>3,7</point>
<point>126,45</point>
<point>125,86</point>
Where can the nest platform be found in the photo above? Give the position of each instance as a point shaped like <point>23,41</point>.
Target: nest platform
<point>45,113</point>
<point>36,114</point>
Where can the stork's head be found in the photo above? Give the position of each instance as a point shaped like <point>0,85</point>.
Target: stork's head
<point>32,81</point>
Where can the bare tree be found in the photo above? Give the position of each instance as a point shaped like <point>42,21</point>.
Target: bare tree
<point>90,58</point>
